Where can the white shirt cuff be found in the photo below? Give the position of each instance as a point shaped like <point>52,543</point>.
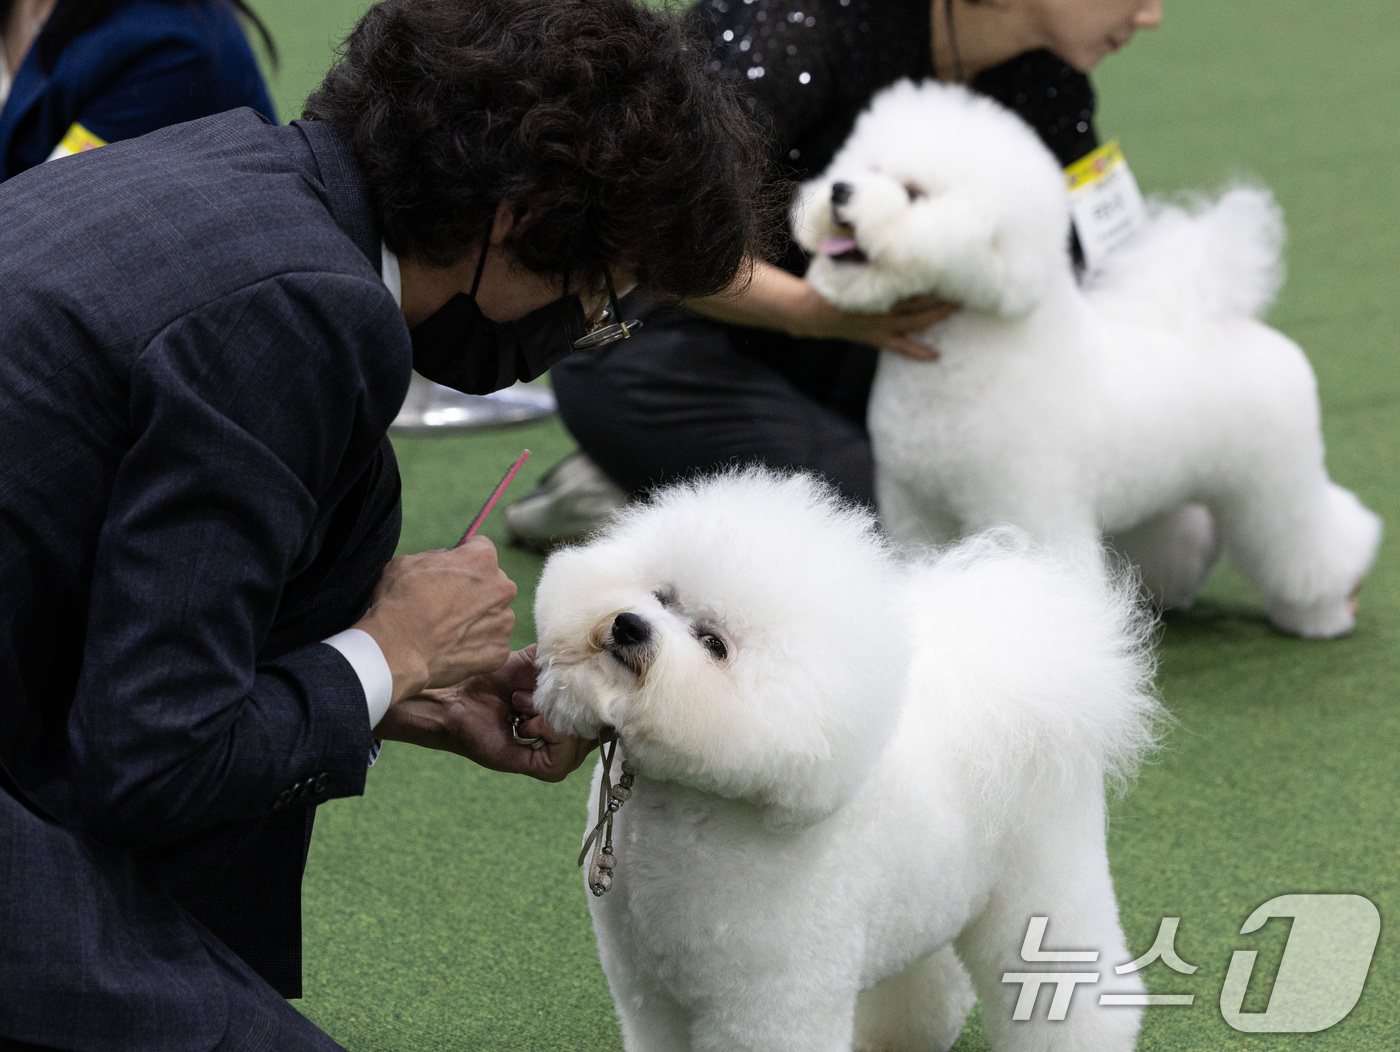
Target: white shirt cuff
<point>359,648</point>
<point>391,274</point>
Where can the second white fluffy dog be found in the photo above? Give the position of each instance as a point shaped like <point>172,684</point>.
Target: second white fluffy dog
<point>852,773</point>
<point>1153,406</point>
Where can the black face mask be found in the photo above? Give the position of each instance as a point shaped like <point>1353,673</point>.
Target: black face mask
<point>461,348</point>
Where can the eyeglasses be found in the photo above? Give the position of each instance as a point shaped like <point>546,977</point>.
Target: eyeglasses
<point>609,329</point>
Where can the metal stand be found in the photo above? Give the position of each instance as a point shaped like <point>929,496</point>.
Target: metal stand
<point>433,407</point>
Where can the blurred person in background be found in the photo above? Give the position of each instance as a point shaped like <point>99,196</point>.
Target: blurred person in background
<point>77,74</point>
<point>204,335</point>
<point>773,372</point>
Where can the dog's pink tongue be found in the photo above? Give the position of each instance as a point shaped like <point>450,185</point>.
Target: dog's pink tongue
<point>837,246</point>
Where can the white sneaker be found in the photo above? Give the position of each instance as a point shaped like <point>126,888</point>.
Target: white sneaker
<point>572,500</point>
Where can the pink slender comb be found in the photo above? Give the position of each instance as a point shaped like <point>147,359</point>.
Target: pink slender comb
<point>486,510</point>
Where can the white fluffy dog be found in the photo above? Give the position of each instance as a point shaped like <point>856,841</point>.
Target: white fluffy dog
<point>1152,406</point>
<point>852,773</point>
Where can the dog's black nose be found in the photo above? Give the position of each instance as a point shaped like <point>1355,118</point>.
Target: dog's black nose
<point>629,630</point>
<point>841,193</point>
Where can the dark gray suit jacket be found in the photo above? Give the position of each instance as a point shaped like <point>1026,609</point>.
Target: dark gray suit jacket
<point>198,366</point>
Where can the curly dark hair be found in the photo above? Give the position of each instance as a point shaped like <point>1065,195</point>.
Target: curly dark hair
<point>597,117</point>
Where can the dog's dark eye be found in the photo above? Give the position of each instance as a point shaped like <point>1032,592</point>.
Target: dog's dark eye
<point>914,191</point>
<point>715,646</point>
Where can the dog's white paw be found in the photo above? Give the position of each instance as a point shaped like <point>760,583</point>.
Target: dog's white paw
<point>1327,619</point>
<point>1174,554</point>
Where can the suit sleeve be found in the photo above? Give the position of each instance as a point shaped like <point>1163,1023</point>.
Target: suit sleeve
<point>244,415</point>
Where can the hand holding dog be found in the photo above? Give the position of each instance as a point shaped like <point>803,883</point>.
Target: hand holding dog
<point>768,297</point>
<point>473,719</point>
<point>442,616</point>
<point>891,331</point>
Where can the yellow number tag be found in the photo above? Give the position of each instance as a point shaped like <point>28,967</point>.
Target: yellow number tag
<point>77,140</point>
<point>1105,202</point>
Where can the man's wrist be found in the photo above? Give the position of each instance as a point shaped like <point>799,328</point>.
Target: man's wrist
<point>418,720</point>
<point>405,722</point>
<point>407,667</point>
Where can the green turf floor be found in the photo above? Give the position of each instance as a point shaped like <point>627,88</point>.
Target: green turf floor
<point>443,910</point>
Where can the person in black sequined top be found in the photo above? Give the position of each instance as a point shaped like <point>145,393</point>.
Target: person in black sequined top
<point>773,373</point>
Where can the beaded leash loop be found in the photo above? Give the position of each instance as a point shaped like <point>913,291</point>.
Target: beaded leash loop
<point>610,800</point>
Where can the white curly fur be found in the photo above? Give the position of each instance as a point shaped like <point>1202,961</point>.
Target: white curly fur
<point>1151,406</point>
<point>1197,261</point>
<point>897,762</point>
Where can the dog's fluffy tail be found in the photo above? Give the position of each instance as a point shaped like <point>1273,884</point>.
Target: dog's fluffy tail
<point>1039,664</point>
<point>1198,261</point>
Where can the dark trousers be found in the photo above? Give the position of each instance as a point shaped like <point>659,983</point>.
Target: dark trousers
<point>259,1020</point>
<point>95,956</point>
<point>687,395</point>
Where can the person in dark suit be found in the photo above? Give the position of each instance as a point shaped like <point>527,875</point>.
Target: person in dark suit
<point>77,74</point>
<point>204,335</point>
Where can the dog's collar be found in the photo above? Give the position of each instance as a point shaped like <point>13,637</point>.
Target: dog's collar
<point>610,800</point>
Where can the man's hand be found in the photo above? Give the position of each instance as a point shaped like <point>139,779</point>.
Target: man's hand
<point>442,616</point>
<point>473,719</point>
